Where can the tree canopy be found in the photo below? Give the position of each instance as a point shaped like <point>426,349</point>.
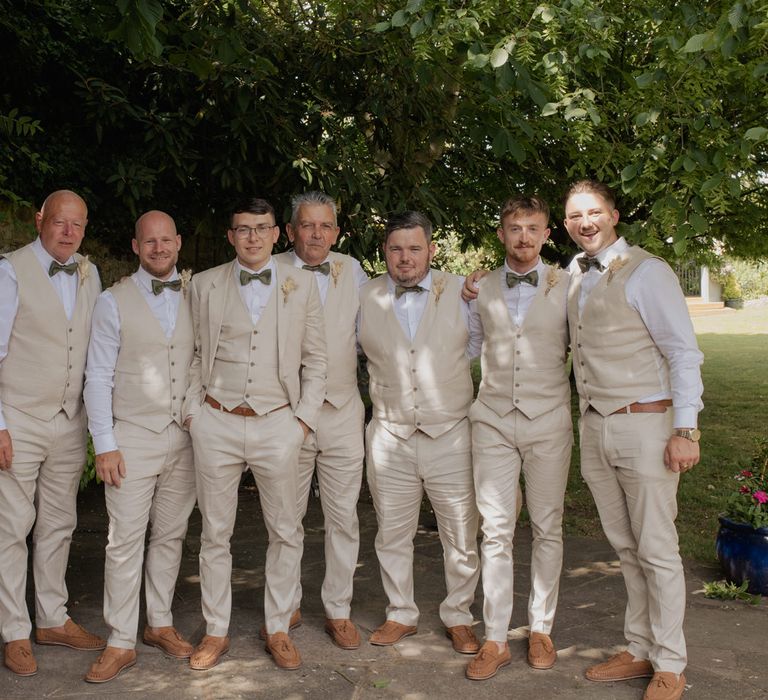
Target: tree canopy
<point>444,106</point>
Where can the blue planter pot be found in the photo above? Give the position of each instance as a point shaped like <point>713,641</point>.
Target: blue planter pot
<point>743,554</point>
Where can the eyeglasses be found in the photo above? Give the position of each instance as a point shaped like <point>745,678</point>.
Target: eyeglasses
<point>262,230</point>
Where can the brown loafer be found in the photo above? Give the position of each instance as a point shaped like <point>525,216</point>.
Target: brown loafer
<point>665,686</point>
<point>169,640</point>
<point>488,661</point>
<point>390,633</point>
<point>19,657</point>
<point>71,635</point>
<point>110,664</point>
<point>207,654</point>
<point>343,633</point>
<point>541,651</point>
<point>284,653</point>
<point>293,623</point>
<point>620,667</point>
<point>463,639</point>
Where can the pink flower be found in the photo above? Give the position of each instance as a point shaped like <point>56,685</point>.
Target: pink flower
<point>747,473</point>
<point>760,496</point>
<point>744,489</point>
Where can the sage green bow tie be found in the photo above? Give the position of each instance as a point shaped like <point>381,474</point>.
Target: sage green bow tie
<point>324,268</point>
<point>265,276</point>
<point>586,262</point>
<point>158,286</point>
<point>58,267</point>
<point>531,278</point>
<point>400,290</point>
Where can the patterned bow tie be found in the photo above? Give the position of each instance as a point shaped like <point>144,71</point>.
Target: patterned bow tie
<point>586,262</point>
<point>531,278</point>
<point>58,267</point>
<point>323,268</point>
<point>400,290</point>
<point>158,286</point>
<point>265,277</point>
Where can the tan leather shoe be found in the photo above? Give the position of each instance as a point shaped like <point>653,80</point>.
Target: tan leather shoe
<point>111,662</point>
<point>488,661</point>
<point>284,653</point>
<point>620,667</point>
<point>71,635</point>
<point>390,633</point>
<point>463,639</point>
<point>207,654</point>
<point>343,633</point>
<point>541,651</point>
<point>665,686</point>
<point>293,623</point>
<point>19,657</point>
<point>169,640</point>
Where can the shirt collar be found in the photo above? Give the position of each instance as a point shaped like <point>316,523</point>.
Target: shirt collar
<point>426,282</point>
<point>298,262</point>
<point>615,250</point>
<point>238,267</point>
<point>145,279</point>
<point>538,266</point>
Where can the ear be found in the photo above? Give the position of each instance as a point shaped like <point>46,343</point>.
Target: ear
<point>135,246</point>
<point>178,242</point>
<point>38,221</point>
<point>290,232</point>
<point>500,234</point>
<point>615,216</point>
<point>432,250</point>
<point>546,234</point>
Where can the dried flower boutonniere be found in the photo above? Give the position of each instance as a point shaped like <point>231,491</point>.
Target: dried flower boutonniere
<point>83,269</point>
<point>336,267</point>
<point>287,287</point>
<point>438,287</point>
<point>614,266</point>
<point>185,276</point>
<point>553,277</point>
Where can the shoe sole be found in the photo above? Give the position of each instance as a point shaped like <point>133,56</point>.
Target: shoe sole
<point>22,674</point>
<point>167,653</point>
<point>395,641</point>
<point>462,651</point>
<point>616,679</point>
<point>346,647</point>
<point>112,677</point>
<point>490,675</point>
<point>70,646</point>
<point>210,666</point>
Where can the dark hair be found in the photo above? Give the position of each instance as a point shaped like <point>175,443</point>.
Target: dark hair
<point>525,204</point>
<point>255,205</point>
<point>407,219</point>
<point>591,187</point>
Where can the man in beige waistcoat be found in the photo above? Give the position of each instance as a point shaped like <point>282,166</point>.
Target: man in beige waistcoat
<point>521,421</point>
<point>413,328</point>
<point>139,355</point>
<point>256,387</point>
<point>335,449</point>
<point>637,371</point>
<point>47,293</point>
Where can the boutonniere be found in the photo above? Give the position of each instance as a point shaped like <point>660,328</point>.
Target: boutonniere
<point>336,267</point>
<point>553,277</point>
<point>614,266</point>
<point>185,276</point>
<point>438,287</point>
<point>287,287</point>
<point>83,269</point>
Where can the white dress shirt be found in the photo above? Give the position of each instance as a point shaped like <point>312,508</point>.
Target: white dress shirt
<point>65,285</point>
<point>255,294</point>
<point>654,292</point>
<point>104,348</point>
<point>322,280</point>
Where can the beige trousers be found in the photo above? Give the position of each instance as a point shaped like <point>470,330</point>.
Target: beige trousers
<point>269,445</point>
<point>40,489</point>
<point>399,472</point>
<point>336,451</point>
<point>622,461</point>
<point>159,489</point>
<point>501,448</point>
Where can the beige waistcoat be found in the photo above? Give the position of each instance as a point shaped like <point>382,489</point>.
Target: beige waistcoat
<point>42,373</point>
<point>151,371</point>
<point>524,367</point>
<point>340,312</point>
<point>614,357</point>
<point>245,368</point>
<point>425,384</point>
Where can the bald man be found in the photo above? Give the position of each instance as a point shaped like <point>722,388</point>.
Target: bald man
<point>138,361</point>
<point>47,293</point>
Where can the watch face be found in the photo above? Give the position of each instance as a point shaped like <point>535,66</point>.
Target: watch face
<point>695,434</point>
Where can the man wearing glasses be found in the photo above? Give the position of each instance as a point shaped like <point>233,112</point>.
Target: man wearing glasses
<point>256,385</point>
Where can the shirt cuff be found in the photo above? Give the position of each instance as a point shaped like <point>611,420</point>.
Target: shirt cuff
<point>685,417</point>
<point>104,443</point>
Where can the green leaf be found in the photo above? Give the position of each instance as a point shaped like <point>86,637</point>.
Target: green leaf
<point>629,173</point>
<point>417,28</point>
<point>500,143</point>
<point>414,5</point>
<point>499,57</point>
<point>698,222</point>
<point>400,18</point>
<point>711,183</point>
<point>695,43</point>
<point>575,113</point>
<point>549,109</point>
<point>381,27</point>
<point>756,133</point>
<point>381,682</point>
<point>689,164</point>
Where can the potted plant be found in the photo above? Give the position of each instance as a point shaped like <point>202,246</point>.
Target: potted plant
<point>742,541</point>
<point>732,294</point>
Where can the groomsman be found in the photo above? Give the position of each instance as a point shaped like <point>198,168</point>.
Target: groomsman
<point>138,361</point>
<point>257,383</point>
<point>521,421</point>
<point>414,331</point>
<point>335,450</point>
<point>47,293</point>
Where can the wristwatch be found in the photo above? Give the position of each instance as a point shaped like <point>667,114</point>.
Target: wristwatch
<point>692,434</point>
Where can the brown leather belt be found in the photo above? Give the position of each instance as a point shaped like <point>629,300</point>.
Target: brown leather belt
<point>650,407</point>
<point>246,411</point>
